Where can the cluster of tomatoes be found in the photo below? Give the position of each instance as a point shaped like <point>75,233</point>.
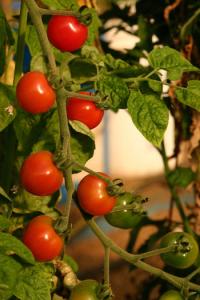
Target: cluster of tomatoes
<point>40,176</point>
<point>39,173</point>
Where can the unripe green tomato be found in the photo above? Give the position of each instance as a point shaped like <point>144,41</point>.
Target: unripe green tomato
<point>180,259</point>
<point>126,218</point>
<point>85,290</point>
<point>171,295</point>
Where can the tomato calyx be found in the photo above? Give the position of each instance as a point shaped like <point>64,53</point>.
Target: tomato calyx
<point>62,227</point>
<point>86,19</point>
<point>135,205</point>
<point>182,245</point>
<point>115,187</point>
<point>105,292</point>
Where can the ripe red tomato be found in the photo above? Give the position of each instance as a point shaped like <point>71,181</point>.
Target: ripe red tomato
<point>34,93</point>
<point>66,33</point>
<point>93,196</point>
<point>41,238</point>
<point>39,175</point>
<point>84,111</point>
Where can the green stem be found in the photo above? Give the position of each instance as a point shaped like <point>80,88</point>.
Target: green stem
<point>107,266</point>
<point>134,259</point>
<point>44,42</point>
<point>34,11</point>
<point>10,141</point>
<point>90,171</point>
<point>60,12</point>
<point>172,188</point>
<point>21,42</point>
<point>83,96</point>
<point>194,273</point>
<point>188,24</point>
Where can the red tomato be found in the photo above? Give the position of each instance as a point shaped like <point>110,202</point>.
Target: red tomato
<point>66,33</point>
<point>84,111</point>
<point>39,175</point>
<point>34,93</point>
<point>93,196</point>
<point>41,238</point>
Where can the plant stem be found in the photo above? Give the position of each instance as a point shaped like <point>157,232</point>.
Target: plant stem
<point>188,24</point>
<point>60,12</point>
<point>172,188</point>
<point>134,259</point>
<point>61,101</point>
<point>44,42</point>
<point>107,266</point>
<point>10,140</point>
<point>90,171</point>
<point>21,42</point>
<point>84,96</point>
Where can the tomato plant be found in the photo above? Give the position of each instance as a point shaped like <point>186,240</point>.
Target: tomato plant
<point>30,179</point>
<point>34,94</point>
<point>40,237</point>
<point>93,196</point>
<point>39,175</point>
<point>186,253</point>
<point>84,111</point>
<point>171,295</point>
<point>124,218</point>
<point>85,290</point>
<point>66,33</point>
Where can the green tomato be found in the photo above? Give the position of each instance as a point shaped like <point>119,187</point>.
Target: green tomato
<point>171,295</point>
<point>126,218</point>
<point>180,258</point>
<point>85,290</point>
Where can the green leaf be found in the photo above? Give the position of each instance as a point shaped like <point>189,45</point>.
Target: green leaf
<point>38,63</point>
<point>149,114</point>
<point>82,147</point>
<point>4,194</point>
<point>113,91</point>
<point>181,177</point>
<point>34,283</point>
<point>92,53</point>
<point>82,128</point>
<point>114,63</point>
<point>191,95</point>
<point>10,244</point>
<point>9,272</point>
<point>7,110</point>
<point>170,60</point>
<point>26,203</point>
<point>27,127</point>
<point>4,223</point>
<point>49,136</point>
<point>32,41</point>
<point>94,25</point>
<point>82,69</point>
<point>61,4</point>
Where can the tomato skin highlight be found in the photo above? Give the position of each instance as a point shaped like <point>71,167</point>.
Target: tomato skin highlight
<point>93,196</point>
<point>124,219</point>
<point>66,33</point>
<point>39,175</point>
<point>84,111</point>
<point>179,260</point>
<point>171,295</point>
<point>85,290</point>
<point>34,94</point>
<point>40,237</point>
